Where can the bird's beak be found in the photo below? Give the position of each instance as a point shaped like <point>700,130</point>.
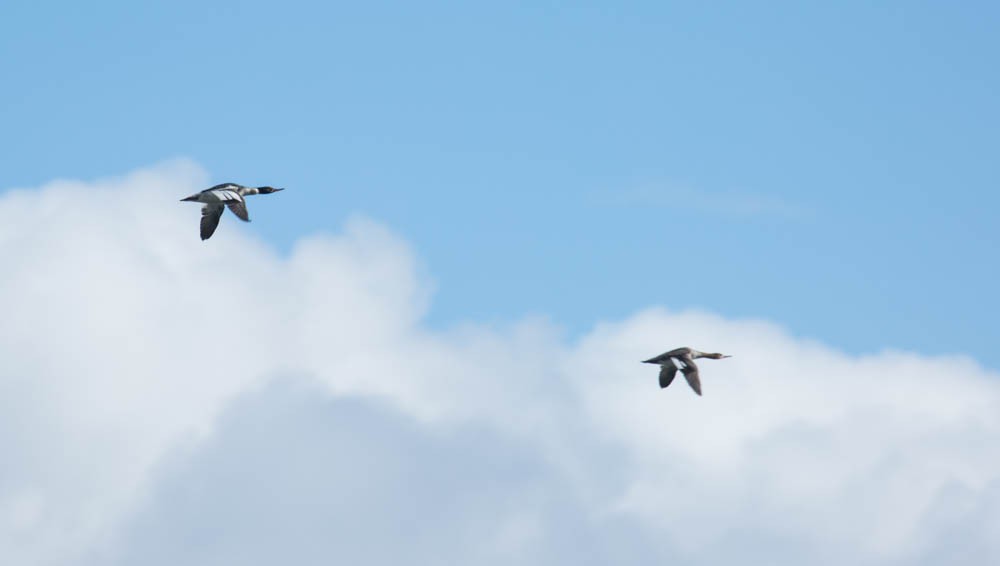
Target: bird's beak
<point>192,197</point>
<point>726,356</point>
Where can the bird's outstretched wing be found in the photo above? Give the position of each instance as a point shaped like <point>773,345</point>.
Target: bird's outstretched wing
<point>676,353</point>
<point>667,373</point>
<point>210,214</point>
<point>239,208</point>
<point>225,187</point>
<point>691,373</point>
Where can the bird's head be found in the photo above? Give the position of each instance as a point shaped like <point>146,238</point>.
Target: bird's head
<point>268,190</point>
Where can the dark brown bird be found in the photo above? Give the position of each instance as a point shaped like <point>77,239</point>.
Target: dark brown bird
<point>684,357</point>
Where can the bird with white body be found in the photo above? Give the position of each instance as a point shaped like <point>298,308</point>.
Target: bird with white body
<point>219,197</point>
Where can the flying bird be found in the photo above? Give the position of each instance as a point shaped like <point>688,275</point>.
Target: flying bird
<point>684,357</point>
<point>221,196</point>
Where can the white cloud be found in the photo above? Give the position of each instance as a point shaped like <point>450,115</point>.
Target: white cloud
<point>142,407</point>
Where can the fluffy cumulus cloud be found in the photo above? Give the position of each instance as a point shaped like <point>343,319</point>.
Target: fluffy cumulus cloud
<point>169,401</point>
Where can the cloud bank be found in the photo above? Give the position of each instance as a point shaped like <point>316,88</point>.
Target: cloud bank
<point>165,401</point>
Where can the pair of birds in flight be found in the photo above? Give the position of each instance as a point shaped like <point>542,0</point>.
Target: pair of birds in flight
<point>230,195</point>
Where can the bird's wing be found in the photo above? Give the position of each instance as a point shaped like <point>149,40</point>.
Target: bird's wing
<point>210,214</point>
<point>667,373</point>
<point>239,208</point>
<point>224,186</point>
<point>691,374</point>
<point>229,195</point>
<point>667,355</point>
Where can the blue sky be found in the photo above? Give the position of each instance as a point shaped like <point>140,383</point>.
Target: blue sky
<point>809,187</point>
<point>567,162</point>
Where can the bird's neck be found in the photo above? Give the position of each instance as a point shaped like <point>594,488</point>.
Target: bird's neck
<point>697,354</point>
